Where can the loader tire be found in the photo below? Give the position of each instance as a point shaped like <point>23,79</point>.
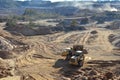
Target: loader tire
<point>80,63</point>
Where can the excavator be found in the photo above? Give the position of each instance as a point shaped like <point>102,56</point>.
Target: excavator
<point>75,55</point>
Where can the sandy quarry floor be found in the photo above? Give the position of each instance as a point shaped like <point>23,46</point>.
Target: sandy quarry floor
<point>43,61</point>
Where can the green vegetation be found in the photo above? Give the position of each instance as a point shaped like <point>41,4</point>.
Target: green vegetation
<point>30,12</point>
<point>74,23</point>
<point>33,14</point>
<point>84,21</point>
<point>31,24</point>
<point>11,23</point>
<point>106,16</point>
<point>3,18</point>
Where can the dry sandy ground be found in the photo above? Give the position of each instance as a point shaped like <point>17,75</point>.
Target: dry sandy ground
<point>42,61</point>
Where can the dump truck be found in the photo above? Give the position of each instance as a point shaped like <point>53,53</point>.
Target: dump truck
<point>75,55</point>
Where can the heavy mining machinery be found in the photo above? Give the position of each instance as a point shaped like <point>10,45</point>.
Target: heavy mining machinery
<point>75,55</point>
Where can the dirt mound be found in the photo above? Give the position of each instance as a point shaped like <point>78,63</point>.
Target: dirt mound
<point>114,25</point>
<point>115,40</point>
<point>27,30</point>
<point>96,70</point>
<point>21,29</point>
<point>5,33</point>
<point>94,75</point>
<point>6,47</point>
<point>5,44</point>
<point>94,32</point>
<point>6,54</point>
<point>7,68</point>
<point>10,45</point>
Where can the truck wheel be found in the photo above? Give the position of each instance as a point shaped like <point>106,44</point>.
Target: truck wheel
<point>80,63</point>
<point>68,57</point>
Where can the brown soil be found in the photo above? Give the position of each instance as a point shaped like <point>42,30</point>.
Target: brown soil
<point>42,60</point>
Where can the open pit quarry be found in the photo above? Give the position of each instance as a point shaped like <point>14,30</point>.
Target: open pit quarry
<point>39,57</point>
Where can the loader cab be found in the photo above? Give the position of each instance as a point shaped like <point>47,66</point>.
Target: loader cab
<point>79,54</point>
<point>66,51</point>
<point>77,58</point>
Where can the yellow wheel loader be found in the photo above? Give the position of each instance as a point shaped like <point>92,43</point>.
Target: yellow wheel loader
<point>75,55</point>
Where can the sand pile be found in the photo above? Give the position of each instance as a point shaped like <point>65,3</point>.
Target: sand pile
<point>7,68</point>
<point>10,45</point>
<point>114,25</point>
<point>5,44</point>
<point>28,30</point>
<point>115,40</point>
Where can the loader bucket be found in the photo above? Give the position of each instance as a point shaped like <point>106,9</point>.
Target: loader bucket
<point>64,53</point>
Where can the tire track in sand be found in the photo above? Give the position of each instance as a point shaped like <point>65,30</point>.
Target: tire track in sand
<point>103,40</point>
<point>84,39</point>
<point>63,37</point>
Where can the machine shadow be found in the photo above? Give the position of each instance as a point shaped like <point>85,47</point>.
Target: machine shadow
<point>66,69</point>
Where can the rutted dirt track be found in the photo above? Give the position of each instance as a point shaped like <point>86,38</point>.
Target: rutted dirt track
<point>41,62</point>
